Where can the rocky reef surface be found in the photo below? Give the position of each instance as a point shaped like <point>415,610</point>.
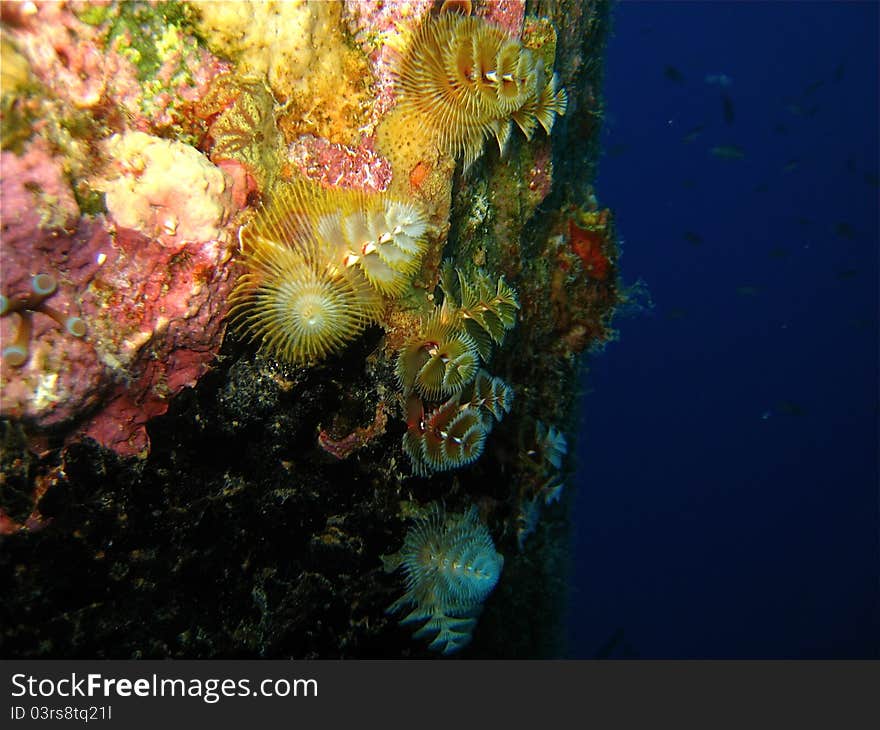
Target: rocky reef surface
<point>174,483</point>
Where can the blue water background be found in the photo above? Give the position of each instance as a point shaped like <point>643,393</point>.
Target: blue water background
<point>727,487</point>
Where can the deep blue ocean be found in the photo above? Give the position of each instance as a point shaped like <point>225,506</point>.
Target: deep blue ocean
<point>727,482</point>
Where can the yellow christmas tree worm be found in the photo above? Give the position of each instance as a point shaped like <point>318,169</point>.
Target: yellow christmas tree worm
<point>320,265</point>
<point>441,362</point>
<point>440,359</point>
<point>467,79</point>
<point>451,566</point>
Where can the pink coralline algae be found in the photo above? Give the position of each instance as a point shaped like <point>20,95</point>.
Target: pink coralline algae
<point>378,26</point>
<point>168,323</point>
<point>80,66</point>
<point>344,447</point>
<point>335,165</point>
<point>151,292</point>
<point>39,228</point>
<point>539,178</point>
<point>508,14</point>
<point>243,185</point>
<point>65,53</point>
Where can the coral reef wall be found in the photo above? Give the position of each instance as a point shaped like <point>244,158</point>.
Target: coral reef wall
<point>175,486</point>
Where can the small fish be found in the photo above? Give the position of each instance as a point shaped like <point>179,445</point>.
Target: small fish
<point>694,239</point>
<point>792,165</point>
<point>689,183</point>
<point>727,108</point>
<point>780,128</point>
<point>790,408</point>
<point>676,313</point>
<point>718,80</point>
<point>871,179</point>
<point>747,291</point>
<point>845,274</point>
<point>673,74</point>
<point>837,75</point>
<point>616,150</point>
<point>693,133</point>
<point>761,188</point>
<point>779,252</point>
<point>728,152</point>
<point>617,647</point>
<point>813,87</point>
<point>845,230</point>
<point>795,109</point>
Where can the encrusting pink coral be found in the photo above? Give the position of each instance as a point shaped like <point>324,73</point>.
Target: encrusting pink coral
<point>76,64</point>
<point>153,299</point>
<point>39,229</point>
<point>378,26</point>
<point>508,14</point>
<point>25,306</point>
<point>344,447</point>
<point>335,165</point>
